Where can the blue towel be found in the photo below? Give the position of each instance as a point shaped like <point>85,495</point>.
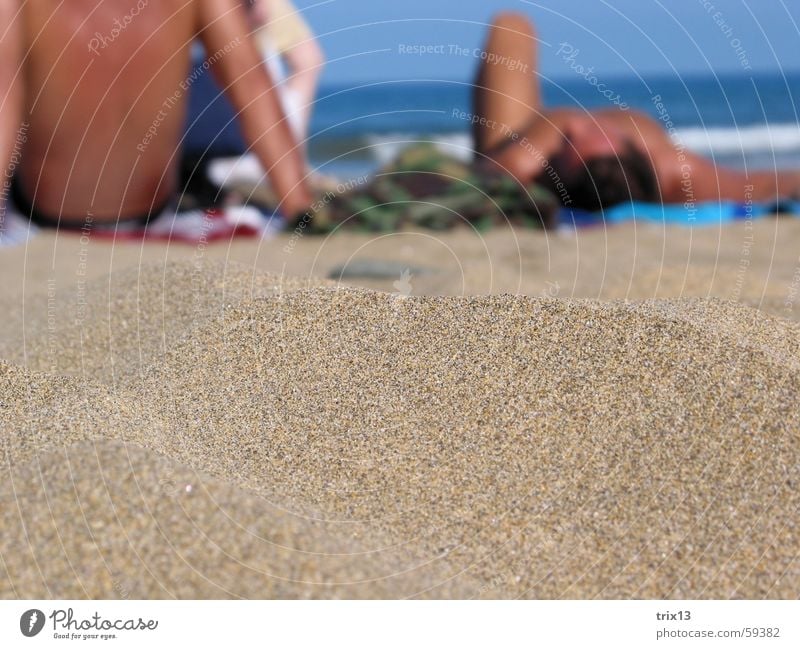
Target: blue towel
<point>702,214</point>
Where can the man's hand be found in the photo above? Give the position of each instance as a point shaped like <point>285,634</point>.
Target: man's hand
<point>224,28</point>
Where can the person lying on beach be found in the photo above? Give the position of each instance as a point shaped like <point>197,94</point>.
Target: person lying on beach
<point>591,160</point>
<point>99,91</point>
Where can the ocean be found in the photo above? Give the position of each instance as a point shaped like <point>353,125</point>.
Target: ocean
<point>739,120</point>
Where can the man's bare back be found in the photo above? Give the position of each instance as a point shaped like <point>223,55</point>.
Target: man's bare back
<point>105,88</point>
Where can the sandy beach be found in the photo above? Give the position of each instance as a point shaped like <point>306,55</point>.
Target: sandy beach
<point>610,413</point>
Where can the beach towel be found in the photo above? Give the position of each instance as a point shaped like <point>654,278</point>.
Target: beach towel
<point>689,215</point>
<point>194,226</point>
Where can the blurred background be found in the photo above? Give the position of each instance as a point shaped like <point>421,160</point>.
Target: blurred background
<point>727,73</point>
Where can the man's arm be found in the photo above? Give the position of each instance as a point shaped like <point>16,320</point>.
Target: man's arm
<point>11,87</point>
<point>247,84</point>
<point>526,153</point>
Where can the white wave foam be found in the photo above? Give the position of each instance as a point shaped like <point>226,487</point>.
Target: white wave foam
<point>385,148</point>
<point>775,137</point>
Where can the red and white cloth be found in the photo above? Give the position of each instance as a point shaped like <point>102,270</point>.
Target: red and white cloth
<point>190,227</point>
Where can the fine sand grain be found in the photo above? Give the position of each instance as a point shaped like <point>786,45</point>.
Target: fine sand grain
<point>201,428</point>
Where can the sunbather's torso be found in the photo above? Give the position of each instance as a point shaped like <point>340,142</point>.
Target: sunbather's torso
<point>105,103</point>
<point>681,175</point>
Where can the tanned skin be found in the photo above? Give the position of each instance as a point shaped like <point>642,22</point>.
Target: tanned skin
<point>91,91</point>
<point>11,85</point>
<point>508,98</point>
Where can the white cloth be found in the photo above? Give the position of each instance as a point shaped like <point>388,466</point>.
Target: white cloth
<point>289,100</point>
<point>15,229</point>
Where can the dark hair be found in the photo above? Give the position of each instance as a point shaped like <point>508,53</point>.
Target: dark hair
<point>609,180</point>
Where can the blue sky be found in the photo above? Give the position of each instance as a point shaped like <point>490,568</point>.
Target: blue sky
<point>364,38</point>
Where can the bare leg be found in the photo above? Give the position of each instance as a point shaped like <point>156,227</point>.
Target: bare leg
<point>710,183</point>
<point>507,94</point>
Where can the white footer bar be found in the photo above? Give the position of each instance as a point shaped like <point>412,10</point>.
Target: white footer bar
<point>387,624</point>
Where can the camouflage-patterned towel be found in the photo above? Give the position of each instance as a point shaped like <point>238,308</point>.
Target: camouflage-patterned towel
<point>426,188</point>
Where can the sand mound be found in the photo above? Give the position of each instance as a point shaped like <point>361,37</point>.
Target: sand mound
<point>114,328</point>
<point>115,521</point>
<point>39,412</point>
<point>467,447</point>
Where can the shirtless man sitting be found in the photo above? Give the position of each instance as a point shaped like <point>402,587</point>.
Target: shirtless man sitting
<point>602,158</point>
<point>99,88</point>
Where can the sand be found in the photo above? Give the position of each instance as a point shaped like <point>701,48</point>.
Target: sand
<point>605,414</point>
